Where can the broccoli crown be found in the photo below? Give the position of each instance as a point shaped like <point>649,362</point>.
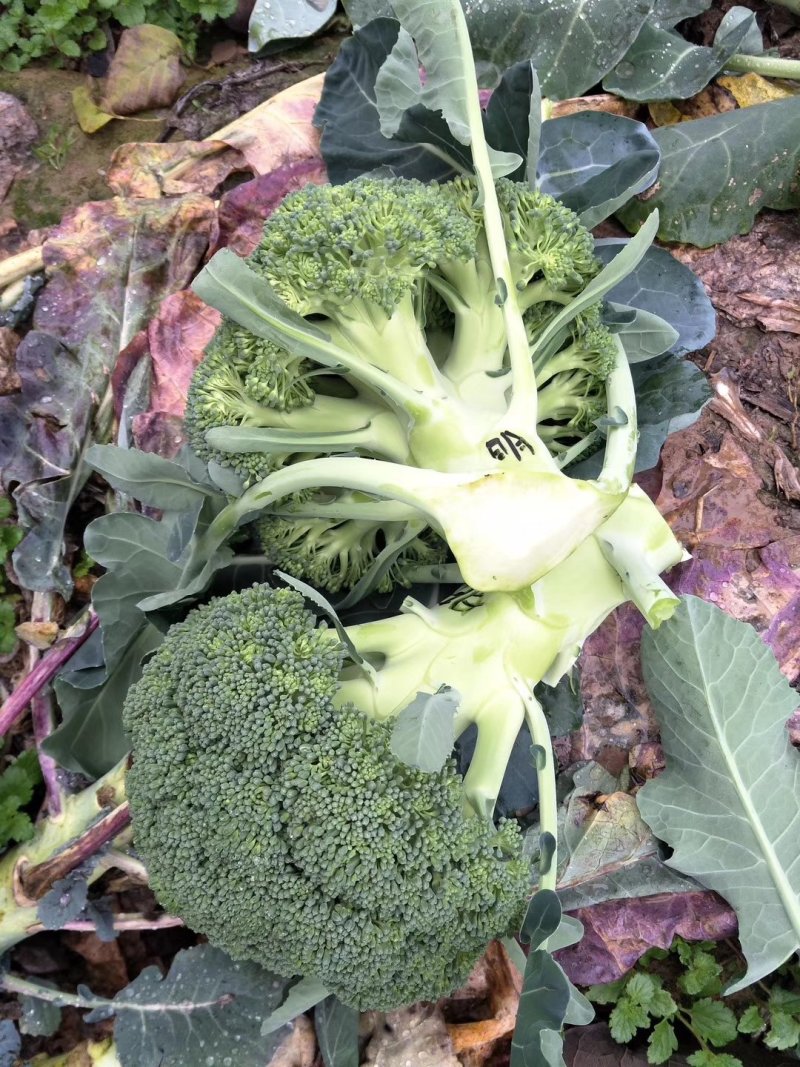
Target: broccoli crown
<point>370,240</point>
<point>335,553</point>
<point>285,830</point>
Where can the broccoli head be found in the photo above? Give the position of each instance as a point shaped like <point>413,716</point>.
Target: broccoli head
<point>283,828</point>
<point>409,387</point>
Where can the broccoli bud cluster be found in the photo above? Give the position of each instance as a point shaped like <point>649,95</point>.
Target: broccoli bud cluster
<point>284,829</point>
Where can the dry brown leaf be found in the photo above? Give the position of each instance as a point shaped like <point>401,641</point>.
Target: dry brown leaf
<point>10,381</point>
<point>415,1035</point>
<point>613,105</point>
<point>750,89</point>
<point>299,1049</point>
<point>39,635</point>
<point>274,134</point>
<point>754,278</point>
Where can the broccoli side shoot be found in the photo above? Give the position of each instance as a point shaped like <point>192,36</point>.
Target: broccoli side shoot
<point>283,828</point>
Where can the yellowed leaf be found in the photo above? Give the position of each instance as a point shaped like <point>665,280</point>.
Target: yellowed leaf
<point>750,89</point>
<point>145,72</point>
<point>278,131</point>
<point>91,118</point>
<point>663,113</point>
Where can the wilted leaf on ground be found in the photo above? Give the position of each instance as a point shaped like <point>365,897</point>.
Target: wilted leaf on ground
<point>153,170</point>
<point>767,294</point>
<point>173,342</point>
<point>243,210</point>
<point>110,263</point>
<point>618,932</point>
<point>718,173</point>
<point>415,1035</point>
<point>279,131</point>
<point>274,134</point>
<point>145,72</point>
<point>750,89</point>
<point>611,854</point>
<point>18,134</point>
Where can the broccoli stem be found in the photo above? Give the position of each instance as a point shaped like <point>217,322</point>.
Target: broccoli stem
<point>522,409</point>
<point>539,293</point>
<point>769,66</point>
<point>58,846</point>
<point>546,781</point>
<point>381,433</point>
<point>620,454</point>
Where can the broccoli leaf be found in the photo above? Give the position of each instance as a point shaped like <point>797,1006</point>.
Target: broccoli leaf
<point>423,733</point>
<point>302,996</point>
<point>729,800</point>
<point>352,143</point>
<point>594,163</point>
<point>147,477</point>
<point>718,173</point>
<point>207,1009</point>
<point>336,1026</point>
<point>10,1043</point>
<point>660,65</point>
<point>666,287</point>
<point>274,21</point>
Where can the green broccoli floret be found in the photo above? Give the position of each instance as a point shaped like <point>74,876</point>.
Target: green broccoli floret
<point>335,553</point>
<point>281,826</point>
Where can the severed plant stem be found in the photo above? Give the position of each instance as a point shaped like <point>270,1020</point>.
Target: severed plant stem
<point>45,670</point>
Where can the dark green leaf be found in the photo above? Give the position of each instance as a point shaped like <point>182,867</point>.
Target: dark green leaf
<point>423,733</point>
<point>352,142</point>
<point>562,704</point>
<point>729,800</point>
<point>91,739</point>
<point>280,20</point>
<point>660,65</point>
<point>594,163</point>
<point>336,1026</point>
<point>10,1043</point>
<point>670,394</point>
<point>752,44</point>
<point>663,286</point>
<point>572,43</point>
<point>542,1007</point>
<point>207,1010</point>
<point>645,336</point>
<point>17,784</point>
<point>668,13</point>
<point>39,1018</point>
<point>507,115</point>
<point>718,173</point>
<point>64,902</point>
<point>146,477</point>
<point>541,919</point>
<point>133,549</point>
